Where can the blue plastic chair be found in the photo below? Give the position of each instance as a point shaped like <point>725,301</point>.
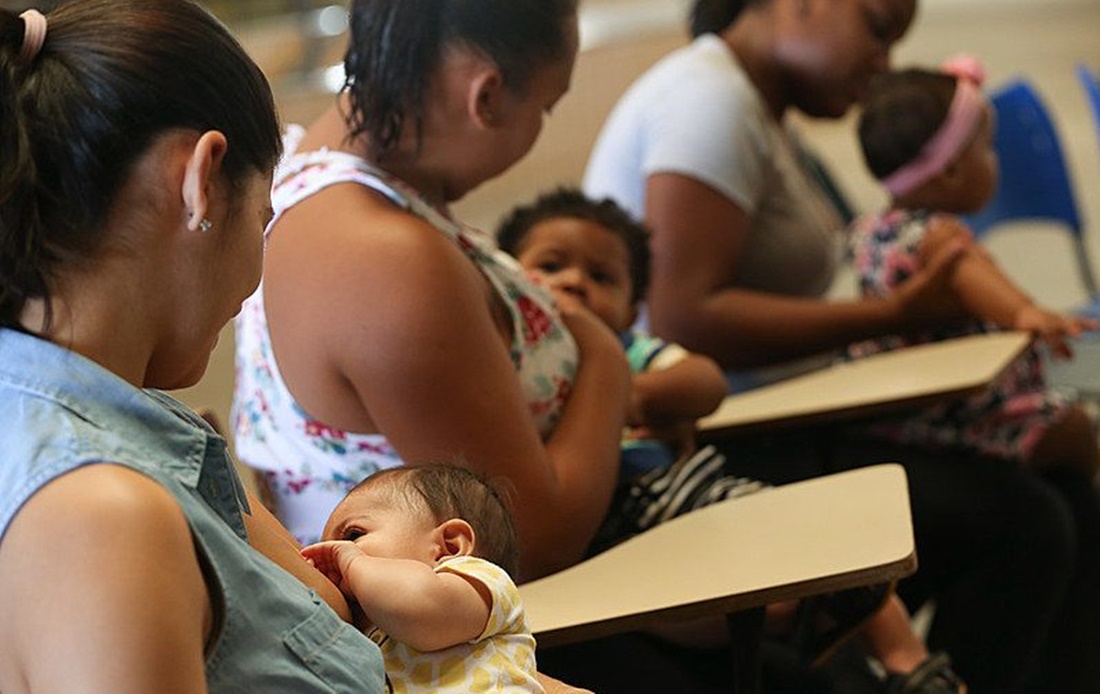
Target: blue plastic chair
<point>1091,82</point>
<point>1035,185</point>
<point>1035,182</point>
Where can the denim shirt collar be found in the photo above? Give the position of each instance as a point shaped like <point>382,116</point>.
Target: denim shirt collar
<point>159,431</point>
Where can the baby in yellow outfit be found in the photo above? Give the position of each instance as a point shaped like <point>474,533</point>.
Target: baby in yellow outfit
<point>425,553</point>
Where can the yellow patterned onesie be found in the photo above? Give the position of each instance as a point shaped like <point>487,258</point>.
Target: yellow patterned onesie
<point>500,659</point>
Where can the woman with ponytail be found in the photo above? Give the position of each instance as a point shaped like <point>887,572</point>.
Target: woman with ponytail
<point>137,142</point>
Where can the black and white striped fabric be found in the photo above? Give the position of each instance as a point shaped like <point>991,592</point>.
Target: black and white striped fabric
<point>691,482</point>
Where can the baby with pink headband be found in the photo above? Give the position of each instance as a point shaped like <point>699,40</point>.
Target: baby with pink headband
<point>927,135</point>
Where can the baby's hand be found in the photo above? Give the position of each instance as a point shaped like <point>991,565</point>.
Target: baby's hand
<point>326,558</point>
<point>1053,328</point>
<point>679,435</point>
<point>567,303</point>
<point>585,326</point>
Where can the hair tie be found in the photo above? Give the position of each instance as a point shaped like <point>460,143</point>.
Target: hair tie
<point>963,116</point>
<point>34,34</point>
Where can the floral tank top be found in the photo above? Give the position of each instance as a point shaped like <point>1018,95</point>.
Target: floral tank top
<point>311,465</point>
<point>1008,419</point>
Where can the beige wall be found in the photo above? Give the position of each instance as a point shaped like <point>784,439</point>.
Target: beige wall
<point>1040,38</point>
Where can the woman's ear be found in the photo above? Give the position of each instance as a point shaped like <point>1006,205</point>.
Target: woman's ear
<point>485,99</point>
<point>455,538</point>
<point>203,165</point>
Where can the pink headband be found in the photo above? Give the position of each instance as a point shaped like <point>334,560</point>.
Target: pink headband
<point>954,134</point>
<point>34,34</point>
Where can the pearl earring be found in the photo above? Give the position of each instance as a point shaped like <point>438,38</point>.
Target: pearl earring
<point>205,225</point>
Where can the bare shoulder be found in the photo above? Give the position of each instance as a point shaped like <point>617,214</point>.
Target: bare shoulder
<point>102,497</point>
<point>116,551</point>
<point>348,260</point>
<point>351,281</point>
<point>351,248</point>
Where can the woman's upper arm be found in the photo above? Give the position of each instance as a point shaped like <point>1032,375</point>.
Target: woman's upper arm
<point>699,171</point>
<point>101,589</point>
<point>699,235</point>
<point>433,370</point>
<point>430,367</point>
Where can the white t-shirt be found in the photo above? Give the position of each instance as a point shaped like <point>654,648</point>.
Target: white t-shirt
<point>696,113</point>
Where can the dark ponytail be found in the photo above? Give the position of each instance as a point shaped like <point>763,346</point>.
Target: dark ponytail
<point>396,46</point>
<point>23,263</point>
<point>111,77</point>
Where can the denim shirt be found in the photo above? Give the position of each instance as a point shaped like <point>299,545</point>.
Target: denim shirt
<point>60,411</point>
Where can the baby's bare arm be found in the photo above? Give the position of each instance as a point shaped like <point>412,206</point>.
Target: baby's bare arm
<point>989,294</point>
<point>685,391</point>
<point>406,598</point>
<point>981,286</point>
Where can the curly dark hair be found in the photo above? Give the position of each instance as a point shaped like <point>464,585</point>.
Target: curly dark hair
<point>570,202</point>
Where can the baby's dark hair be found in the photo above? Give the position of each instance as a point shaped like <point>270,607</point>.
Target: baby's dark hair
<point>451,491</point>
<point>570,202</point>
<point>902,111</point>
<point>396,46</point>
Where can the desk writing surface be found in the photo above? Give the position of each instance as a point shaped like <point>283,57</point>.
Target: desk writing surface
<point>820,535</point>
<point>875,384</point>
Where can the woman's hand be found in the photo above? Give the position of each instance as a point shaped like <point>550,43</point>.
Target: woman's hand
<point>595,340</point>
<point>928,298</point>
<point>587,329</point>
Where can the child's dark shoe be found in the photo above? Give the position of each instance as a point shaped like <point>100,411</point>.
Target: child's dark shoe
<point>933,676</point>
